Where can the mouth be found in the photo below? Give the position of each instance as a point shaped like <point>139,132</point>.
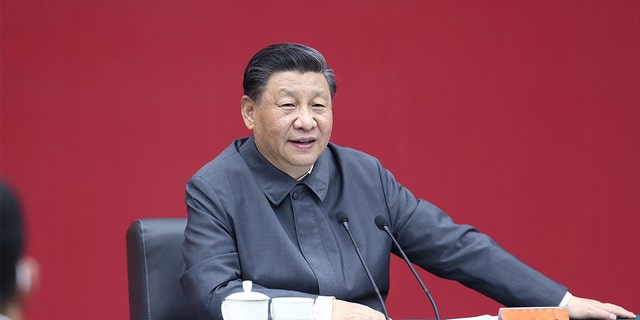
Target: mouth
<point>303,142</point>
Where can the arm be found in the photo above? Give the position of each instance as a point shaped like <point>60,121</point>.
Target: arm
<point>481,264</point>
<point>432,240</point>
<point>213,267</point>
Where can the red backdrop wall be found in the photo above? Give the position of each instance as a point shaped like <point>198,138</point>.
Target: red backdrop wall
<point>519,117</point>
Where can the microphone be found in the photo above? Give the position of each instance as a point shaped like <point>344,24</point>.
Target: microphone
<point>344,221</point>
<point>382,224</point>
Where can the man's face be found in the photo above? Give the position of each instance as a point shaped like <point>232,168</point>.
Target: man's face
<point>292,122</point>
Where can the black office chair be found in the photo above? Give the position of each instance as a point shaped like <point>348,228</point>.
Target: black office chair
<point>154,262</point>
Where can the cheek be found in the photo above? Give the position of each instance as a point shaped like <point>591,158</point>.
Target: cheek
<point>276,127</point>
<point>266,121</point>
<point>325,122</point>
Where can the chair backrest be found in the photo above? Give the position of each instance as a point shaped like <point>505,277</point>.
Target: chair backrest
<point>154,263</point>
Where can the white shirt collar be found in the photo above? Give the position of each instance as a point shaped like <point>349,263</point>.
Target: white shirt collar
<point>299,179</point>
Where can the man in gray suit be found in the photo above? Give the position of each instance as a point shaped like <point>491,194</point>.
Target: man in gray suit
<point>265,210</point>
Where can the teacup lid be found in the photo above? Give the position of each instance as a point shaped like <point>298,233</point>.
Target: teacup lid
<point>247,294</point>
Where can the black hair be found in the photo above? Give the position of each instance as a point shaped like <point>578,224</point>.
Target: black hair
<point>11,241</point>
<point>283,57</point>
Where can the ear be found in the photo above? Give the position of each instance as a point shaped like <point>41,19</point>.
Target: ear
<point>248,107</point>
<point>27,277</point>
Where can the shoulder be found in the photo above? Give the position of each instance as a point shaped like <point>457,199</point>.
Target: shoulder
<point>352,159</point>
<point>226,165</point>
<point>350,155</point>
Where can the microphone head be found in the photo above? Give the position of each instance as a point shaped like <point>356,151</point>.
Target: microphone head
<point>381,222</point>
<point>342,217</point>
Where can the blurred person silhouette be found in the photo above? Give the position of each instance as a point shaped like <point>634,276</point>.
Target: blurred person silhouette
<point>18,273</point>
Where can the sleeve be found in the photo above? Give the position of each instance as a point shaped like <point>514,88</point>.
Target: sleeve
<point>459,252</point>
<point>209,252</point>
<point>212,269</point>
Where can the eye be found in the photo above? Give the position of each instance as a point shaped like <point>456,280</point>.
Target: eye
<point>318,105</point>
<point>287,105</point>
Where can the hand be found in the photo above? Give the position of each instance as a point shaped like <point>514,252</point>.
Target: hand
<point>343,310</point>
<point>580,308</point>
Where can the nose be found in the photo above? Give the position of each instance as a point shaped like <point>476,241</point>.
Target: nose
<point>304,119</point>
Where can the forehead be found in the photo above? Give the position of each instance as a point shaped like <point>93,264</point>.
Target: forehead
<point>291,82</point>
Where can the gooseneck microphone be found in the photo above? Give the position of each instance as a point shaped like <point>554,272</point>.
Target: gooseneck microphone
<point>344,221</point>
<point>381,222</point>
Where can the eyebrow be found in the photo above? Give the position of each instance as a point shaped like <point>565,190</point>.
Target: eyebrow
<point>292,92</point>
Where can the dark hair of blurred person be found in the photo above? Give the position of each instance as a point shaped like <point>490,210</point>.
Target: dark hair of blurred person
<point>17,272</point>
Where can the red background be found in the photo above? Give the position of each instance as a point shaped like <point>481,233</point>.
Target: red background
<point>519,117</point>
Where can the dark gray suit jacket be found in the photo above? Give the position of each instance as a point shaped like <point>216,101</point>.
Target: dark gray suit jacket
<point>249,221</point>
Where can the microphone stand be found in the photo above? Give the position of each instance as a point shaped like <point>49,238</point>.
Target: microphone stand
<point>344,221</point>
<point>383,225</point>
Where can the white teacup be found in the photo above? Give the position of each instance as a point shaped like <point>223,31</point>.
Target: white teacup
<point>246,305</point>
<point>292,308</point>
<point>244,310</point>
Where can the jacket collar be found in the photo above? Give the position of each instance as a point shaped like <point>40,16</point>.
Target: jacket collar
<point>276,184</point>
